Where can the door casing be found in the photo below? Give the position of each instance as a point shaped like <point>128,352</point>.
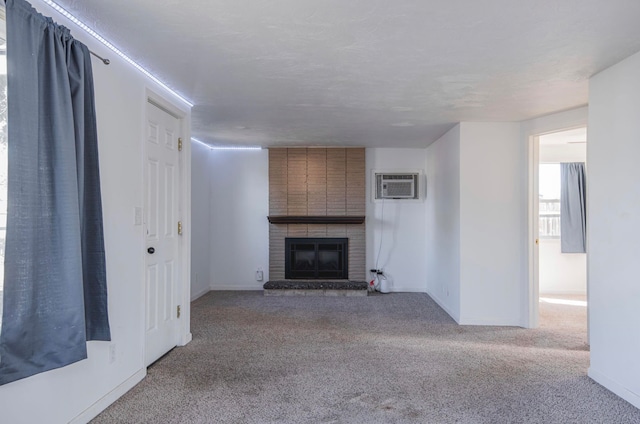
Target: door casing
<point>183,112</point>
<point>533,291</point>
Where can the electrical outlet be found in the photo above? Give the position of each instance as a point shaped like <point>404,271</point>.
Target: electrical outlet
<point>259,275</point>
<point>112,353</point>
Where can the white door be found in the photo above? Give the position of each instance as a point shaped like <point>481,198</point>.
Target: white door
<point>161,226</point>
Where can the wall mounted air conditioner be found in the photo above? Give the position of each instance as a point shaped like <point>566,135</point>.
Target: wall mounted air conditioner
<point>397,185</point>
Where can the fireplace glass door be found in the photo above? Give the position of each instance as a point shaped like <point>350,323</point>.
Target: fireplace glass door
<point>316,258</point>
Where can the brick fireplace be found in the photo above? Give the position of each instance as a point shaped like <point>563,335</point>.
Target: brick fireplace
<point>317,193</point>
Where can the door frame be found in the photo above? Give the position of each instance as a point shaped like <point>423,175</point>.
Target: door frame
<point>183,114</point>
<point>534,230</point>
<point>533,288</point>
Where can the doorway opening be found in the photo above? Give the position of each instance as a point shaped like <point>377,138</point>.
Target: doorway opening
<point>561,271</point>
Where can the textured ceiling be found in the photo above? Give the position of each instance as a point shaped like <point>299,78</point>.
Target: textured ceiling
<point>366,72</point>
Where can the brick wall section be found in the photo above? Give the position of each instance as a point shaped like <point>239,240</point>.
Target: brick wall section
<point>337,182</point>
<point>278,177</point>
<point>317,182</point>
<point>355,182</point>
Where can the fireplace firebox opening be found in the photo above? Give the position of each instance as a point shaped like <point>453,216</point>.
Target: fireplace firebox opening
<point>316,258</point>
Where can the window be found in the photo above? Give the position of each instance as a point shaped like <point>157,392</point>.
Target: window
<point>62,277</point>
<point>549,206</point>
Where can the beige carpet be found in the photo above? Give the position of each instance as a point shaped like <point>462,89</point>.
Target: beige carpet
<point>394,358</point>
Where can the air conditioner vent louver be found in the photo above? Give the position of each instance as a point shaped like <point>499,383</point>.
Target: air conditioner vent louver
<point>397,186</point>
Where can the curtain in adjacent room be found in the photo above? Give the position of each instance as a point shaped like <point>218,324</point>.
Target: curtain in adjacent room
<point>55,296</point>
<point>573,208</point>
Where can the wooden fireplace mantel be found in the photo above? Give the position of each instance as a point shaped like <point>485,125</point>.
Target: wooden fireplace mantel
<point>334,219</point>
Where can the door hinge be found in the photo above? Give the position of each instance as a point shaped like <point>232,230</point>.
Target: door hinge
<point>178,312</point>
<point>179,228</point>
<point>179,144</point>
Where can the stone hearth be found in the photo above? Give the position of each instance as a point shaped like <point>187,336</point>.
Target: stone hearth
<point>315,288</point>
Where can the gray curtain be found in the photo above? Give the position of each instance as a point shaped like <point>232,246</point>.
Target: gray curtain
<point>573,208</point>
<point>55,296</point>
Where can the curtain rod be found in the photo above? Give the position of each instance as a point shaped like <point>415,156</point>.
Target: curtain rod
<point>105,61</point>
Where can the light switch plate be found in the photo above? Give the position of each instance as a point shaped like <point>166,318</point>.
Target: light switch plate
<point>137,215</point>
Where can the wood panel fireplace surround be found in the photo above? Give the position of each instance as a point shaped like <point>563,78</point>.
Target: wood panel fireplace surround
<point>317,215</point>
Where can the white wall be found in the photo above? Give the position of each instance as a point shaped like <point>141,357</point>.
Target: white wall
<point>239,226</point>
<point>200,220</point>
<point>81,390</point>
<point>400,223</point>
<point>569,119</point>
<point>562,152</point>
<point>493,212</point>
<point>561,273</point>
<point>443,222</point>
<point>476,217</point>
<point>613,228</point>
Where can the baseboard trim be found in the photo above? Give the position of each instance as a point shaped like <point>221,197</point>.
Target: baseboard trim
<point>102,404</point>
<point>200,294</point>
<point>496,322</point>
<point>444,307</point>
<point>231,287</point>
<point>186,339</point>
<point>614,387</point>
<point>473,321</point>
<point>401,289</point>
